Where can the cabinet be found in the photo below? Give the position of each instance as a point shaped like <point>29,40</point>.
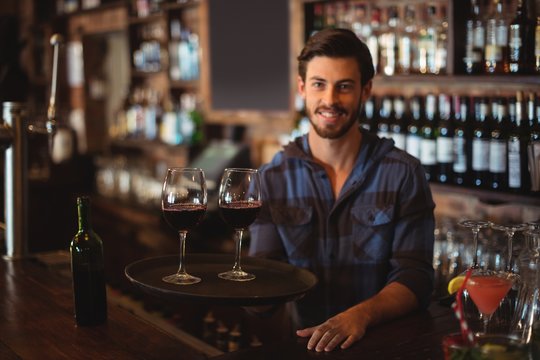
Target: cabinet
<point>380,23</point>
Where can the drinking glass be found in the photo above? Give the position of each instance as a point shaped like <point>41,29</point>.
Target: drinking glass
<point>239,204</point>
<point>510,230</point>
<point>183,202</point>
<point>475,226</point>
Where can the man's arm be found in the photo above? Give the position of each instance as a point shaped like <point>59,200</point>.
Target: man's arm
<point>393,301</point>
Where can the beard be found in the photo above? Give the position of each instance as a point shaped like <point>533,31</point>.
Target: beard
<point>334,132</point>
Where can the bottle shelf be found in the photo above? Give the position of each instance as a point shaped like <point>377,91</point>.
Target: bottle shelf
<point>154,17</point>
<point>489,197</point>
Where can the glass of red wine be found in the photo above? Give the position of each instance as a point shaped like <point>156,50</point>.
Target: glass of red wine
<point>239,204</point>
<point>183,202</point>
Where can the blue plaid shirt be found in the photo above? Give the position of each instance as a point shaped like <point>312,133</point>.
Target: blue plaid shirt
<point>378,230</point>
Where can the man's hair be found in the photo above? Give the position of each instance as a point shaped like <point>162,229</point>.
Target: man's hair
<point>337,43</point>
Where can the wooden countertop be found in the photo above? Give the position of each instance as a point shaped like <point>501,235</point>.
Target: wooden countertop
<point>36,322</point>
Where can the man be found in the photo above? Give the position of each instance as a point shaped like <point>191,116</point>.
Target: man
<point>346,205</point>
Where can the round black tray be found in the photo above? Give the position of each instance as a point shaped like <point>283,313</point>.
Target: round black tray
<point>276,282</point>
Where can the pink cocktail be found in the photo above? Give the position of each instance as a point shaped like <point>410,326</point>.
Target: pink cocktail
<point>487,292</point>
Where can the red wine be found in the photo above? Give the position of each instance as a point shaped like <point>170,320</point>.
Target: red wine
<point>184,217</point>
<point>90,296</point>
<point>240,214</point>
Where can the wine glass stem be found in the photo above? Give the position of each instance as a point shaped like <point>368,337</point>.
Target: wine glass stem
<point>238,233</point>
<point>181,265</point>
<point>510,236</point>
<point>475,232</point>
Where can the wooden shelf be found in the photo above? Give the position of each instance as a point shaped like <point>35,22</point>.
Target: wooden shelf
<point>180,5</point>
<point>154,17</point>
<point>488,196</point>
<point>184,84</point>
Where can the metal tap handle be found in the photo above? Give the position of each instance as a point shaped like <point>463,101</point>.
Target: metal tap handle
<point>56,40</point>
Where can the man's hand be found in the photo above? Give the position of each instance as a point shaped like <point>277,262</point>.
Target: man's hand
<point>393,301</point>
<point>345,328</point>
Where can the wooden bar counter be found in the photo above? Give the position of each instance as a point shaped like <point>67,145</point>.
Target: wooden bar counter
<point>36,322</point>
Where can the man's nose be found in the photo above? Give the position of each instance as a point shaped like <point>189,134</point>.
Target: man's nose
<point>330,96</point>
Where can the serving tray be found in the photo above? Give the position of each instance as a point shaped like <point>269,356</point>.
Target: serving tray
<point>276,282</point>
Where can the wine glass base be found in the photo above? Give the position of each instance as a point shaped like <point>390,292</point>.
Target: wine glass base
<point>181,279</point>
<point>235,275</point>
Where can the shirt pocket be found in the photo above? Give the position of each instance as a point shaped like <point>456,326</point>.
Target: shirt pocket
<point>295,228</point>
<point>372,233</point>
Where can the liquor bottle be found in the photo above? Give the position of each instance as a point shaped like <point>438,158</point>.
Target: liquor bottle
<point>534,144</point>
<point>398,126</point>
<point>480,144</point>
<point>388,43</point>
<point>408,43</point>
<point>520,41</point>
<point>367,117</point>
<point>384,118</point>
<point>441,53</point>
<point>462,143</point>
<point>414,135</point>
<point>496,40</point>
<point>87,267</point>
<point>372,41</point>
<point>517,147</point>
<point>498,147</point>
<point>474,40</point>
<point>428,143</point>
<point>428,43</point>
<point>445,135</point>
<point>531,109</point>
<point>537,46</point>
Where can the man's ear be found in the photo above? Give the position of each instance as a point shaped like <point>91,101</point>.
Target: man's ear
<point>366,91</point>
<point>301,85</point>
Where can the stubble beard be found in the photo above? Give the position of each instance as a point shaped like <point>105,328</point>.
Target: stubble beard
<point>334,132</point>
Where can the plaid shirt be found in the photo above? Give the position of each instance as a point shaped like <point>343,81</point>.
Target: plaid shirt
<point>378,230</point>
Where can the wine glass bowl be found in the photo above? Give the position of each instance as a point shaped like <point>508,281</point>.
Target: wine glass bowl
<point>239,204</point>
<point>475,226</point>
<point>183,203</point>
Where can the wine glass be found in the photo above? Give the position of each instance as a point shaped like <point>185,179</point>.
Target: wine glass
<point>239,203</point>
<point>510,230</point>
<point>183,203</point>
<point>475,226</point>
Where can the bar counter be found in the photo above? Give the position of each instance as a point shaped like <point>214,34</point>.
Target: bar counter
<point>36,322</point>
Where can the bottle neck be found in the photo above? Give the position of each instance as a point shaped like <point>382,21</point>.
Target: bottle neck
<point>83,210</point>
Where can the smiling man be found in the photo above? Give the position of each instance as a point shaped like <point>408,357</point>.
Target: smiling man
<point>346,205</point>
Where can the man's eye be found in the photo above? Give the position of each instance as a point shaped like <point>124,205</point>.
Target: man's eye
<point>346,87</point>
<point>317,84</point>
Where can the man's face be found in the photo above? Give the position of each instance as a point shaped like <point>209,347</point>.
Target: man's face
<point>333,95</point>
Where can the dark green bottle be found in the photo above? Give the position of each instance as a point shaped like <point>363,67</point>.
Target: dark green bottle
<point>87,268</point>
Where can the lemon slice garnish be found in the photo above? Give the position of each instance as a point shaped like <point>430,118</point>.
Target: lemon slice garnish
<point>455,284</point>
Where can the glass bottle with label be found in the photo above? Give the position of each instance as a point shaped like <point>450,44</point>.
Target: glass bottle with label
<point>384,118</point>
<point>480,144</point>
<point>412,144</point>
<point>462,141</point>
<point>445,136</point>
<point>498,147</point>
<point>517,140</point>
<point>474,40</point>
<point>87,267</point>
<point>496,40</point>
<point>428,143</point>
<point>398,126</point>
<point>520,40</point>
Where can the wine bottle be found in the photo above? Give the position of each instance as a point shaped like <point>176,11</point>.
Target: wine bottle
<point>517,142</point>
<point>462,141</point>
<point>384,118</point>
<point>480,144</point>
<point>474,40</point>
<point>445,134</point>
<point>367,116</point>
<point>520,40</point>
<point>412,143</point>
<point>498,147</point>
<point>496,40</point>
<point>398,126</point>
<point>87,268</point>
<point>428,143</point>
<point>537,46</point>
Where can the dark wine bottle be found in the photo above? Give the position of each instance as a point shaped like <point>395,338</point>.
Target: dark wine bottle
<point>498,144</point>
<point>480,144</point>
<point>521,41</point>
<point>462,142</point>
<point>444,133</point>
<point>87,268</point>
<point>428,143</point>
<point>414,135</point>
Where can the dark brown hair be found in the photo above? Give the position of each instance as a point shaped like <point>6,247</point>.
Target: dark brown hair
<point>337,43</point>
